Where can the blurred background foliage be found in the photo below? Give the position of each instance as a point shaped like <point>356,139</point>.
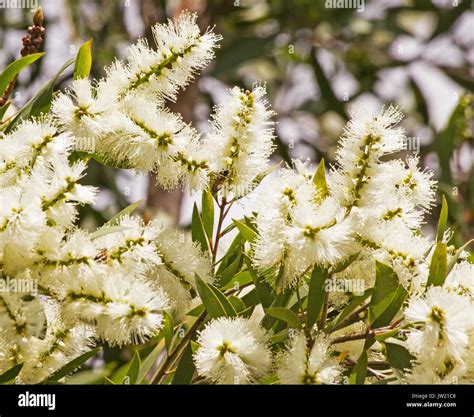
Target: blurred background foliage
<point>315,60</point>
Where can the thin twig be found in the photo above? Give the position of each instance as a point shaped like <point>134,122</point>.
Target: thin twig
<point>177,351</point>
<point>350,317</point>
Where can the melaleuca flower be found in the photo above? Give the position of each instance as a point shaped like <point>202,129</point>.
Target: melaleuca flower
<point>123,310</point>
<point>314,236</point>
<point>288,188</point>
<point>21,223</point>
<point>393,243</point>
<point>80,110</point>
<point>181,51</point>
<point>132,247</point>
<point>60,345</point>
<point>57,186</point>
<point>21,317</point>
<point>241,140</point>
<point>461,279</point>
<point>366,138</point>
<point>232,351</point>
<point>60,258</point>
<point>436,369</point>
<point>308,362</point>
<point>144,137</point>
<point>445,317</point>
<point>32,141</point>
<point>181,260</point>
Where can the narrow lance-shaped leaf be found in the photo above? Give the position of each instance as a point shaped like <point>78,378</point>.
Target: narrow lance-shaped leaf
<point>133,370</point>
<point>197,230</point>
<point>70,367</point>
<point>438,266</point>
<point>286,315</point>
<point>443,218</point>
<point>185,370</point>
<point>359,372</point>
<point>208,213</point>
<point>13,69</point>
<point>149,361</point>
<point>319,181</point>
<point>216,303</point>
<point>8,377</point>
<point>40,102</point>
<point>262,287</point>
<point>83,65</point>
<point>398,357</point>
<point>456,256</point>
<point>3,110</point>
<point>168,328</point>
<point>386,285</point>
<point>126,211</point>
<point>248,234</point>
<point>316,295</point>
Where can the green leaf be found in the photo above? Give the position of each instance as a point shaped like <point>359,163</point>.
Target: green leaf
<point>263,288</point>
<point>443,218</point>
<point>341,266</point>
<point>248,234</point>
<point>280,301</point>
<point>107,230</point>
<point>40,102</point>
<point>279,337</point>
<point>439,266</point>
<point>391,333</point>
<point>72,366</point>
<point>3,110</point>
<point>149,362</point>
<point>197,230</point>
<point>319,181</point>
<point>251,298</point>
<point>13,69</point>
<point>237,303</point>
<point>456,256</point>
<point>316,295</point>
<point>232,252</point>
<point>259,178</point>
<point>398,357</point>
<point>392,309</point>
<point>247,312</point>
<point>285,314</point>
<point>108,381</point>
<point>168,330</point>
<point>133,370</point>
<point>349,308</point>
<point>196,311</point>
<point>242,278</point>
<point>83,65</point>
<point>8,377</point>
<point>208,213</point>
<point>386,285</point>
<point>359,372</point>
<point>115,220</point>
<point>228,273</point>
<point>216,303</point>
<point>185,370</point>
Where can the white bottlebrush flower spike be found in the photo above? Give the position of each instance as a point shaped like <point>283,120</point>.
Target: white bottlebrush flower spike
<point>447,318</point>
<point>308,362</point>
<point>241,140</point>
<point>65,289</point>
<point>232,351</point>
